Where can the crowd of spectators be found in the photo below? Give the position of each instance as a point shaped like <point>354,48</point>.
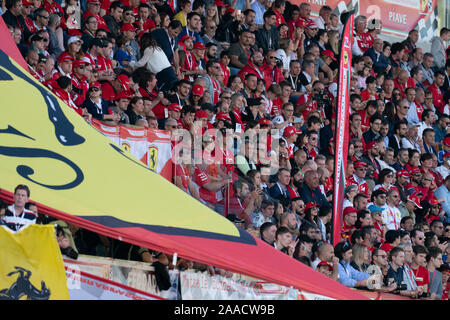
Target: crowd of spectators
<point>257,81</point>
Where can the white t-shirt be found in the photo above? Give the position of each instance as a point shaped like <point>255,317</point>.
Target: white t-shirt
<point>155,60</point>
<point>391,217</point>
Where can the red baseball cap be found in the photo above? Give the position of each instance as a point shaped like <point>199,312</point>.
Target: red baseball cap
<point>264,122</point>
<point>229,10</point>
<point>290,131</point>
<point>222,116</point>
<point>310,205</point>
<point>201,114</point>
<point>360,164</point>
<point>95,84</point>
<point>325,263</point>
<point>402,173</point>
<point>329,53</point>
<point>185,37</point>
<point>92,1</point>
<point>415,170</point>
<point>128,27</point>
<point>27,3</point>
<point>219,3</point>
<point>65,57</point>
<point>349,210</point>
<point>197,90</point>
<point>446,141</point>
<point>300,23</point>
<point>415,199</point>
<point>434,202</point>
<point>311,24</point>
<point>124,81</point>
<point>446,155</point>
<point>122,95</point>
<point>199,45</point>
<point>175,107</point>
<point>370,145</point>
<point>79,63</point>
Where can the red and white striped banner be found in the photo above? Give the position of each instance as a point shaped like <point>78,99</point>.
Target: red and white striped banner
<point>342,127</point>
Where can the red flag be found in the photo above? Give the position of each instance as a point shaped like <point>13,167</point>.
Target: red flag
<point>342,127</point>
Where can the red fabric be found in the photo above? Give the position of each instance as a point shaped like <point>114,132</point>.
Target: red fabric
<point>271,76</point>
<point>438,97</point>
<point>422,276</point>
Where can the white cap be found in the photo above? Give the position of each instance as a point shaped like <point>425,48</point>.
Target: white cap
<point>73,39</point>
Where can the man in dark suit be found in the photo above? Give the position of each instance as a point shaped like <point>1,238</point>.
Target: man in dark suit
<point>167,40</point>
<point>310,191</point>
<point>400,129</point>
<point>279,190</point>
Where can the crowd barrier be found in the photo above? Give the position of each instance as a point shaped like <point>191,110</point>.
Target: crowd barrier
<point>193,285</point>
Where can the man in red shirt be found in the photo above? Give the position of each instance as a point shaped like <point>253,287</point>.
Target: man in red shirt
<point>358,177</point>
<point>350,215</point>
<point>253,66</point>
<point>279,7</point>
<point>363,39</point>
<point>435,88</point>
<point>80,84</point>
<point>271,72</point>
<point>93,9</point>
<point>418,266</point>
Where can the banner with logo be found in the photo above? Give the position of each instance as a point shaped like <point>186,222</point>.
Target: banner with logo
<point>398,17</point>
<point>31,265</point>
<point>85,286</point>
<point>151,146</point>
<point>342,127</point>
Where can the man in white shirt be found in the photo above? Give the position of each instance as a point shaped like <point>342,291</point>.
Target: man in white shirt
<point>323,20</point>
<point>16,216</point>
<point>428,118</point>
<point>410,96</point>
<point>444,169</point>
<point>391,215</point>
<point>411,140</point>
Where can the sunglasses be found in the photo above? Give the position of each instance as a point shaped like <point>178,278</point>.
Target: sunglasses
<point>95,89</point>
<point>45,17</point>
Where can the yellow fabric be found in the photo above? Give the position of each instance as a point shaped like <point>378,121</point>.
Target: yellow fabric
<point>71,167</point>
<point>180,16</point>
<point>33,256</point>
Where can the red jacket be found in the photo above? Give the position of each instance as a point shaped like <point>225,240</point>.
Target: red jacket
<point>271,74</point>
<point>250,68</point>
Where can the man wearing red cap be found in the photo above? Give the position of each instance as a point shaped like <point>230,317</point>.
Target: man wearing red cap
<point>175,111</point>
<point>350,215</point>
<point>26,13</point>
<point>64,65</point>
<point>402,179</point>
<point>188,64</point>
<point>121,83</point>
<point>290,135</point>
<point>122,100</point>
<point>358,178</point>
<point>80,84</point>
<point>198,51</point>
<point>444,169</point>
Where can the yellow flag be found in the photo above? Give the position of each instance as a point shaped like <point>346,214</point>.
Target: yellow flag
<point>31,265</point>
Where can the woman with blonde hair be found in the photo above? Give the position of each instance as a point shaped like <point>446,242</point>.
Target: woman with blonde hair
<point>211,13</point>
<point>333,42</point>
<point>361,257</point>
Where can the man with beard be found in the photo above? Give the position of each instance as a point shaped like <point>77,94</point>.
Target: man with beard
<point>253,65</point>
<point>401,182</point>
<point>402,160</point>
<point>371,152</point>
<point>400,129</point>
<point>211,51</point>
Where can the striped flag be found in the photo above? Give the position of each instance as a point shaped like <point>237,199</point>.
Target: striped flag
<point>342,127</point>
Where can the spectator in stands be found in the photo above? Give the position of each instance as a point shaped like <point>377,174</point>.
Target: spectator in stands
<point>434,262</point>
<point>348,276</point>
<point>16,216</point>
